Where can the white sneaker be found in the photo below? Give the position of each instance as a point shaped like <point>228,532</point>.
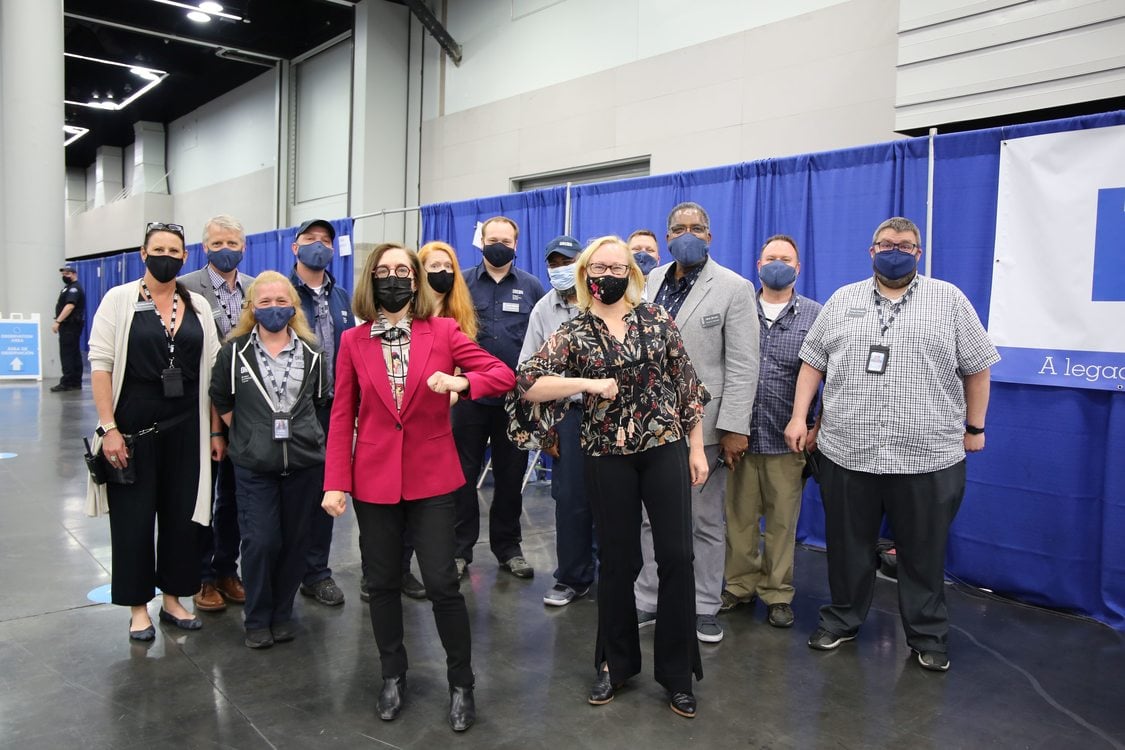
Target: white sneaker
<point>561,595</point>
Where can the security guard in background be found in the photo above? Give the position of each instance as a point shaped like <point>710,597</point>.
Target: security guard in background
<point>70,319</point>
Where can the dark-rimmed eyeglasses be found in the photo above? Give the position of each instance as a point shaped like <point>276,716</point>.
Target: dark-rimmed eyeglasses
<point>156,226</point>
<point>885,245</point>
<point>402,272</point>
<point>678,229</point>
<point>601,269</point>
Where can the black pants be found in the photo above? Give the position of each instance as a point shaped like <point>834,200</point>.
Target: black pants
<point>274,513</point>
<point>475,426</point>
<point>430,523</point>
<point>574,521</point>
<point>618,485</point>
<point>921,508</point>
<point>70,354</point>
<point>221,539</point>
<point>320,525</point>
<point>163,497</point>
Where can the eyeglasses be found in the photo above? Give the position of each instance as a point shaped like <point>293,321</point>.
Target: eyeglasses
<point>884,246</point>
<point>156,226</point>
<point>402,272</point>
<point>697,229</point>
<point>600,269</point>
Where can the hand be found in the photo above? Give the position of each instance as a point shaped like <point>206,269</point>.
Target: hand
<point>732,446</point>
<point>796,435</point>
<point>55,327</point>
<point>218,448</point>
<point>441,382</point>
<point>697,462</point>
<point>602,387</point>
<point>810,440</point>
<point>114,450</point>
<point>334,503</point>
<point>974,443</point>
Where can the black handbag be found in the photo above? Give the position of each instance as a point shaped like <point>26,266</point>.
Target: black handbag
<point>103,472</point>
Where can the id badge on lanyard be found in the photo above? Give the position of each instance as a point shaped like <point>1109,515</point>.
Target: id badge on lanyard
<point>281,425</point>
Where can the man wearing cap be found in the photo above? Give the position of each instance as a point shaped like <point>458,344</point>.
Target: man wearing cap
<point>327,307</point>
<point>223,286</point>
<point>574,523</point>
<point>70,318</point>
<point>503,296</point>
<point>714,309</point>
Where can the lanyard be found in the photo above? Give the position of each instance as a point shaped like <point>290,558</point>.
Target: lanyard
<point>264,359</point>
<point>168,331</point>
<point>226,310</point>
<point>896,307</point>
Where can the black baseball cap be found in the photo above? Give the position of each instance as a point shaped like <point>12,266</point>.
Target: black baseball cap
<point>563,245</point>
<point>316,223</point>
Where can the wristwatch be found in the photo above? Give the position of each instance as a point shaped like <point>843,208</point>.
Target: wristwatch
<point>102,429</point>
<point>973,430</point>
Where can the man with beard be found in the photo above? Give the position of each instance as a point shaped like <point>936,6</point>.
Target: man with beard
<point>905,363</point>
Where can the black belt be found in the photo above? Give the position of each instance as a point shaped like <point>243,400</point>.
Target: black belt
<point>167,424</point>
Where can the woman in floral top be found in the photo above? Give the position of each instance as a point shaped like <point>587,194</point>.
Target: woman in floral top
<point>642,399</point>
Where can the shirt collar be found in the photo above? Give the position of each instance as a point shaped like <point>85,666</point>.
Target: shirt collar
<point>689,276</point>
<point>218,281</point>
<point>257,340</point>
<point>381,326</point>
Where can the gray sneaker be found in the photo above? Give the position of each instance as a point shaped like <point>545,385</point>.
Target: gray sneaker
<point>708,629</point>
<point>518,566</point>
<point>561,595</point>
<point>326,592</point>
<point>645,618</point>
<point>462,567</point>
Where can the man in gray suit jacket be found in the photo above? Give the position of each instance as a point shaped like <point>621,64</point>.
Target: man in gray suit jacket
<point>715,311</point>
<point>224,242</point>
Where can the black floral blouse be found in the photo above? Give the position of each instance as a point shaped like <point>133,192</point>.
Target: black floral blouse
<point>660,397</point>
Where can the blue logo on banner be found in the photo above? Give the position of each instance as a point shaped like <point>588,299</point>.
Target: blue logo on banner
<point>1109,247</point>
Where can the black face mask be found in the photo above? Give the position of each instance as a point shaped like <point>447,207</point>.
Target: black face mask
<point>607,289</point>
<point>498,254</point>
<point>440,281</point>
<point>163,268</point>
<point>392,293</point>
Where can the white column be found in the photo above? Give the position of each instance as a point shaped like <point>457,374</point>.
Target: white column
<point>75,191</point>
<point>148,158</point>
<point>108,177</point>
<point>32,162</point>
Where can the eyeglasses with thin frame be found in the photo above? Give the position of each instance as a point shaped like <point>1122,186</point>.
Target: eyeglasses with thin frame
<point>601,269</point>
<point>678,229</point>
<point>402,272</point>
<point>885,245</point>
<point>156,226</point>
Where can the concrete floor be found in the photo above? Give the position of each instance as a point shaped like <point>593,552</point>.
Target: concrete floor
<point>69,677</point>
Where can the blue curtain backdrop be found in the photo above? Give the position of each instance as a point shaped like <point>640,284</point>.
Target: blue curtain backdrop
<point>264,251</point>
<point>1044,509</point>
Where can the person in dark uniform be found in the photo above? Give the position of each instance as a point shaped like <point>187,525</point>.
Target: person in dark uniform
<point>152,347</point>
<point>70,317</point>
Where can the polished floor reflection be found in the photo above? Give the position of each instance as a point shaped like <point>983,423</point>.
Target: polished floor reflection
<point>69,677</point>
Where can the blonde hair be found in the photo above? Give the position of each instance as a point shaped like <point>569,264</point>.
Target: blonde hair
<point>246,322</point>
<point>458,302</point>
<point>635,290</point>
<point>363,299</point>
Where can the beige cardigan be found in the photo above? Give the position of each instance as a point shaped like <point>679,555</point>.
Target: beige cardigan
<point>109,347</point>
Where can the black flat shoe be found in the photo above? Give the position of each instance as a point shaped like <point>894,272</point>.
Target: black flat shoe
<point>148,634</point>
<point>392,697</point>
<point>601,692</point>
<point>683,704</point>
<point>188,623</point>
<point>462,708</point>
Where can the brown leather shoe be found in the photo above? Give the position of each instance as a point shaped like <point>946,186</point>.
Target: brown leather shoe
<point>231,589</point>
<point>208,599</point>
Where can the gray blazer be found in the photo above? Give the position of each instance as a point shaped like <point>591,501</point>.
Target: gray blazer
<point>719,325</point>
<point>200,282</point>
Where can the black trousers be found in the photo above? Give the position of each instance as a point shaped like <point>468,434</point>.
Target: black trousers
<point>475,426</point>
<point>921,508</point>
<point>618,485</point>
<point>162,499</point>
<point>574,521</point>
<point>274,513</point>
<point>222,538</point>
<point>320,525</point>
<point>70,354</point>
<point>430,523</point>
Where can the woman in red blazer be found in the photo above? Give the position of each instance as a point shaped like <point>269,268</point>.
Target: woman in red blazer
<point>393,383</point>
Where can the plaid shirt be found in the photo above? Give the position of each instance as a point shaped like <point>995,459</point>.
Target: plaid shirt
<point>229,301</point>
<point>777,373</point>
<point>910,419</point>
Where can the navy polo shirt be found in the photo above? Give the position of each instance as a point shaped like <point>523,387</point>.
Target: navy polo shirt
<point>503,310</point>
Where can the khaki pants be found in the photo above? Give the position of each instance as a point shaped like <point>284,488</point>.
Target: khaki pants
<point>770,487</point>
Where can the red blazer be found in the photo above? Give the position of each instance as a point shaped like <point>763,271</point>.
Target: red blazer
<point>407,455</point>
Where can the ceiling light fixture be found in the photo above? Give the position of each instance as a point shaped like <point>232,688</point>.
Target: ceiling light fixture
<point>151,75</point>
<point>73,133</point>
<point>198,16</point>
<point>205,7</point>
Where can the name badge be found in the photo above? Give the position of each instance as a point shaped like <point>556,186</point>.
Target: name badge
<point>173,380</point>
<point>510,307</point>
<point>280,426</point>
<point>217,314</point>
<point>877,358</point>
<point>710,321</point>
<point>143,306</point>
<point>856,312</point>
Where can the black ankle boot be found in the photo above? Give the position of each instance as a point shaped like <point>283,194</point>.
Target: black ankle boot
<point>392,697</point>
<point>462,708</point>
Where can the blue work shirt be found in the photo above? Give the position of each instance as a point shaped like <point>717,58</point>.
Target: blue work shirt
<point>503,310</point>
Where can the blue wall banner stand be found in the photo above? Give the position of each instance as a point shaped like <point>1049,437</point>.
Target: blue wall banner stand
<point>20,348</point>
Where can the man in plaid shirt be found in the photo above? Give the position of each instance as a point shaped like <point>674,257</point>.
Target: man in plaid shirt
<point>905,363</point>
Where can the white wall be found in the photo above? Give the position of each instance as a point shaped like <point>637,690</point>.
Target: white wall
<point>812,82</point>
<point>228,137</point>
<point>320,134</point>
